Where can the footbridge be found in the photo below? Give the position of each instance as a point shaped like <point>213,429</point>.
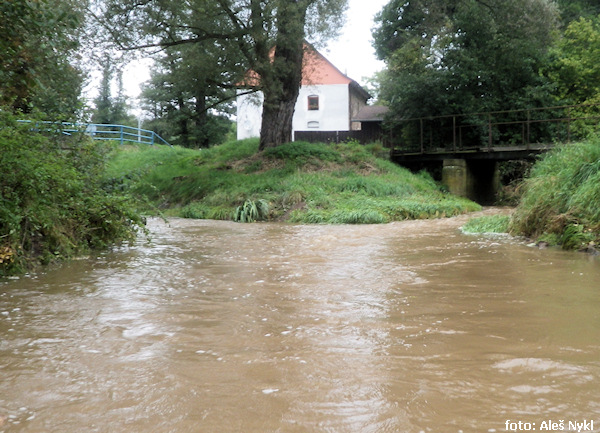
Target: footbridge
<point>468,147</point>
<point>100,131</point>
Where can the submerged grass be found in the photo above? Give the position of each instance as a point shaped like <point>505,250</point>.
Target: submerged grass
<point>561,203</point>
<point>298,182</point>
<point>487,224</point>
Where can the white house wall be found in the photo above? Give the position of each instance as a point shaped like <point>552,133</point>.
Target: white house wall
<point>332,115</point>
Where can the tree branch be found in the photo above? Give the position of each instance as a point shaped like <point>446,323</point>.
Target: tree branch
<point>174,43</point>
<point>240,27</point>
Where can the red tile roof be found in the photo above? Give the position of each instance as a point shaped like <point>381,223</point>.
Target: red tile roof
<point>316,70</point>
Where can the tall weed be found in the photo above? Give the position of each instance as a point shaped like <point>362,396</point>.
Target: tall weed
<point>251,211</point>
<point>562,195</point>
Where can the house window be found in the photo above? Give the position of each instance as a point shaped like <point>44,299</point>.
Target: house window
<point>313,124</point>
<point>313,102</point>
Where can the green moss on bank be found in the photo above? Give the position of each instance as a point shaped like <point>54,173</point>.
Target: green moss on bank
<point>297,182</point>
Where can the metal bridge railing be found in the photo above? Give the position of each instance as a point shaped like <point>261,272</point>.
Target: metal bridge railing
<point>101,131</point>
<point>523,128</point>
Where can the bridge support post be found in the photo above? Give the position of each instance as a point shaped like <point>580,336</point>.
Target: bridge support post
<point>477,180</point>
<point>455,177</point>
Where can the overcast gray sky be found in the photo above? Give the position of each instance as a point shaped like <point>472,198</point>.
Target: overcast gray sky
<point>353,53</point>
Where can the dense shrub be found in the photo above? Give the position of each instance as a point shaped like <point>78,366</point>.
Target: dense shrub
<point>54,201</point>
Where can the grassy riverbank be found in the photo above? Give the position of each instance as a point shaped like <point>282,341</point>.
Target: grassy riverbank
<point>560,203</point>
<point>297,182</point>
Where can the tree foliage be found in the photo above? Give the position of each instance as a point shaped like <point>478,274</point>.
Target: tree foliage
<point>572,10</point>
<point>186,102</point>
<point>462,56</point>
<point>574,68</point>
<point>38,51</point>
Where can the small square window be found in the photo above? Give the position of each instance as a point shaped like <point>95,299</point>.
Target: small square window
<point>313,103</point>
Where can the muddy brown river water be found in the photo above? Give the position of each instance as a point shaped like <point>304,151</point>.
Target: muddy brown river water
<point>223,327</point>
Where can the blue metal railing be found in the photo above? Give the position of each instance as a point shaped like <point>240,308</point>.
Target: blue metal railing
<point>101,131</point>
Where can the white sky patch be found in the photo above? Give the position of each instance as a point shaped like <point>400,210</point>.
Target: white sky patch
<point>353,52</point>
<point>134,75</point>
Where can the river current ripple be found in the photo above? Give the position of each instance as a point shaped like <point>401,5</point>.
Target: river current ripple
<point>223,327</point>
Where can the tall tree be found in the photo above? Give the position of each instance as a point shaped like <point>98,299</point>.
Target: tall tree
<point>268,35</point>
<point>108,108</point>
<point>38,44</point>
<point>181,97</point>
<point>576,57</point>
<point>103,102</point>
<point>461,56</point>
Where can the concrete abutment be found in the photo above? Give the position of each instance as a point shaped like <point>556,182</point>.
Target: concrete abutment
<point>477,180</point>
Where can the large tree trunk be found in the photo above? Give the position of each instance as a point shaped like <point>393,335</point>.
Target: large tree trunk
<point>282,86</point>
<point>183,122</point>
<point>277,117</point>
<point>201,118</point>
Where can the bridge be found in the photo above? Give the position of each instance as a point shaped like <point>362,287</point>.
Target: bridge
<point>100,131</point>
<point>468,147</point>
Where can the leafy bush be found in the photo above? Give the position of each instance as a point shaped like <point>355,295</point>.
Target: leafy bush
<point>54,202</point>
